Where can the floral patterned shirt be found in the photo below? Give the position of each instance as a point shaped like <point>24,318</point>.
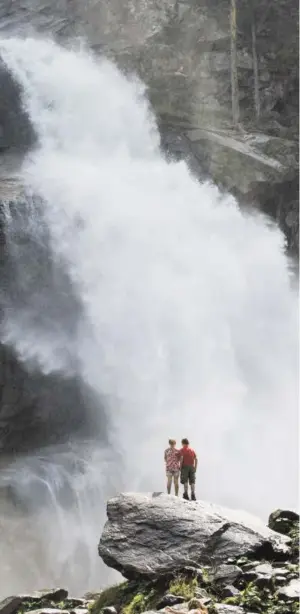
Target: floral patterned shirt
<point>172,456</point>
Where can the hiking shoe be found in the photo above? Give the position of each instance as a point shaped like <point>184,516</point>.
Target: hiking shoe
<point>185,496</point>
<point>193,497</point>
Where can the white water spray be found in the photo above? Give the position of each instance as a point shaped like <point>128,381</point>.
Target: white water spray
<point>189,323</point>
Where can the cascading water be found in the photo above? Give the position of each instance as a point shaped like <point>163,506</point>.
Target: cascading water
<point>187,323</point>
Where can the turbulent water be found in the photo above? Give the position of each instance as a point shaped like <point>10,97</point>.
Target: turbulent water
<point>187,322</point>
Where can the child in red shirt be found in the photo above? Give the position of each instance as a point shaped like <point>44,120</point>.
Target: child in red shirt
<point>188,467</point>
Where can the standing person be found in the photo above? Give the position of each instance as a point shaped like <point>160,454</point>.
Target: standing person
<point>172,460</point>
<point>188,468</point>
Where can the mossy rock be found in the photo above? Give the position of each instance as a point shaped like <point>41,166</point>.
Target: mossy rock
<point>294,535</point>
<point>184,587</point>
<point>283,521</point>
<point>118,595</point>
<point>38,604</point>
<point>135,597</point>
<point>131,597</point>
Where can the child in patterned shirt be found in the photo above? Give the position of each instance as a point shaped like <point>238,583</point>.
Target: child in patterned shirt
<point>172,461</point>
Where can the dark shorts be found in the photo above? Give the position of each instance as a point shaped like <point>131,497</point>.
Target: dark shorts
<point>187,474</point>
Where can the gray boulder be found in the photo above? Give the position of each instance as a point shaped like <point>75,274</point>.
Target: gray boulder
<point>10,605</point>
<point>230,591</point>
<point>261,575</point>
<point>227,574</point>
<point>169,600</point>
<point>291,591</point>
<point>222,608</point>
<point>148,535</point>
<point>55,595</point>
<point>283,521</point>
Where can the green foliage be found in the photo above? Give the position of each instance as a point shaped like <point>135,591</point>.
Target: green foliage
<point>43,602</point>
<point>205,576</point>
<point>185,587</point>
<point>136,605</point>
<point>264,601</point>
<point>115,595</point>
<point>242,561</point>
<point>294,535</point>
<point>232,600</point>
<point>131,597</point>
<point>136,597</point>
<point>252,597</point>
<point>37,604</point>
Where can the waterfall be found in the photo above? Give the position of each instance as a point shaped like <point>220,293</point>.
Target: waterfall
<point>185,322</point>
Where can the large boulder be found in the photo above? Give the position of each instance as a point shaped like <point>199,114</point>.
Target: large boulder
<point>152,534</point>
<point>283,521</point>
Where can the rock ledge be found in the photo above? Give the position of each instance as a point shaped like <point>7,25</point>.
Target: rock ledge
<point>152,534</point>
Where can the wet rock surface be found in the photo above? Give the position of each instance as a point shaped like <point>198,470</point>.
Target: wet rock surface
<point>37,408</point>
<point>48,601</point>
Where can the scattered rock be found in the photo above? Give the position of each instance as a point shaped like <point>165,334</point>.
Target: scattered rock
<point>251,586</point>
<point>261,575</point>
<point>55,594</point>
<point>250,565</point>
<point>230,591</point>
<point>280,571</point>
<point>195,604</point>
<point>280,580</point>
<point>291,591</point>
<point>178,607</point>
<point>227,574</point>
<point>263,581</point>
<point>282,521</point>
<point>250,576</point>
<point>293,576</point>
<point>222,608</point>
<point>264,569</point>
<point>194,572</point>
<point>202,594</point>
<point>168,600</point>
<point>10,605</point>
<point>147,536</point>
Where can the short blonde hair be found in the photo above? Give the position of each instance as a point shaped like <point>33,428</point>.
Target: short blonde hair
<point>172,441</point>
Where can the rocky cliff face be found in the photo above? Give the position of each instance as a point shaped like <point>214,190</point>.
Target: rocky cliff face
<point>189,74</point>
<point>36,408</point>
<point>181,49</point>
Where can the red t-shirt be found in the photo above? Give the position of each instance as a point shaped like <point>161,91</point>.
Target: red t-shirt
<point>189,456</point>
